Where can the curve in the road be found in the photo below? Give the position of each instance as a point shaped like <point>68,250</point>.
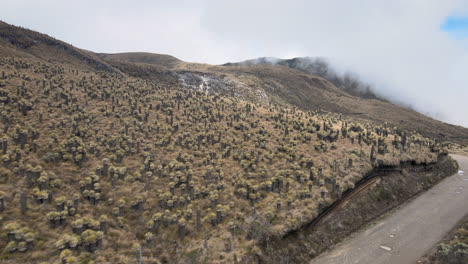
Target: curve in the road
<point>408,233</point>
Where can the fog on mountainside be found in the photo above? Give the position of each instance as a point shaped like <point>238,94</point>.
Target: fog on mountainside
<point>348,81</point>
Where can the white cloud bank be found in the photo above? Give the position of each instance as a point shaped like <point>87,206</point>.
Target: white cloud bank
<point>395,45</point>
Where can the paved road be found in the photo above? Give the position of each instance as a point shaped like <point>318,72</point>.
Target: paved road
<point>408,233</point>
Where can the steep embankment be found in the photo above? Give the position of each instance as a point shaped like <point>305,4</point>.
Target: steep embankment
<point>381,190</point>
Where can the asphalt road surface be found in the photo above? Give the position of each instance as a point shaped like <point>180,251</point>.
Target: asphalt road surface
<point>413,229</point>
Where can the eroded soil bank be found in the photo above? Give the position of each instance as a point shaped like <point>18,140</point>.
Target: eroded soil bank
<point>381,190</point>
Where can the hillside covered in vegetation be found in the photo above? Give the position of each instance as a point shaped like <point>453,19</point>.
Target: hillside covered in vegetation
<point>101,160</point>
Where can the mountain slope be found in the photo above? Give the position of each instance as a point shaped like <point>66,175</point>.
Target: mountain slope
<point>284,84</point>
<point>161,60</point>
<point>264,79</point>
<point>103,156</point>
<point>318,66</point>
<point>23,42</point>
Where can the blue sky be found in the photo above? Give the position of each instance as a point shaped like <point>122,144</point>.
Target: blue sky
<point>456,26</point>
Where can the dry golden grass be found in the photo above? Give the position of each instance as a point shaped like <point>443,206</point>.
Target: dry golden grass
<point>224,156</point>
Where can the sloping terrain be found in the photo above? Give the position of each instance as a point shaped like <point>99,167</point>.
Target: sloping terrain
<point>320,67</point>
<point>165,61</point>
<point>407,234</point>
<point>21,42</point>
<point>453,248</point>
<point>288,84</point>
<point>103,156</point>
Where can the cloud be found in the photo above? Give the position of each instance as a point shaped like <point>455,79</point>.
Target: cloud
<point>398,46</point>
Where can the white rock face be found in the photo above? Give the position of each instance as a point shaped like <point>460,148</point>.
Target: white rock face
<point>216,85</point>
